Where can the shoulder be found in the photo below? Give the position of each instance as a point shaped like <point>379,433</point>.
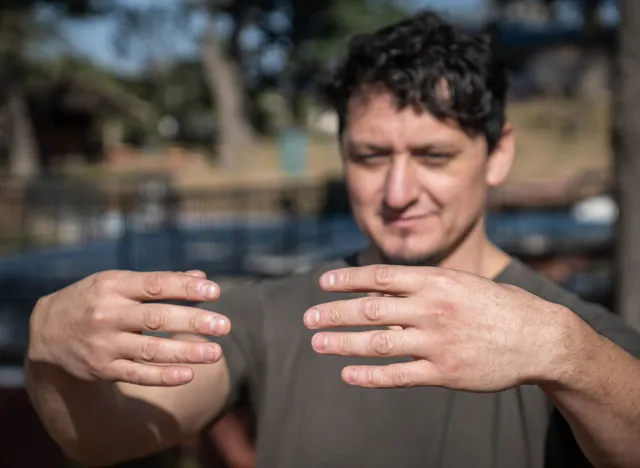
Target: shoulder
<point>600,319</point>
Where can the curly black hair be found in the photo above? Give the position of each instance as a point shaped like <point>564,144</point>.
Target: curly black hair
<point>412,59</point>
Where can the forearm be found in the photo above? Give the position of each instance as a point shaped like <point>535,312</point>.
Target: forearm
<point>95,422</point>
<point>600,398</point>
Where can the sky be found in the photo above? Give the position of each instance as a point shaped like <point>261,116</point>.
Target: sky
<point>94,38</point>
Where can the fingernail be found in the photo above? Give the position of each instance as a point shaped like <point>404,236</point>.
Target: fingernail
<point>320,342</point>
<point>184,375</point>
<point>312,317</point>
<point>208,353</point>
<point>329,279</point>
<point>209,290</point>
<point>349,375</point>
<point>219,325</point>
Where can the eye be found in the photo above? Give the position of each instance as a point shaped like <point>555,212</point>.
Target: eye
<point>434,158</point>
<point>370,159</point>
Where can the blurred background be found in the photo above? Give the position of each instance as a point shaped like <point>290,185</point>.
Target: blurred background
<point>182,134</point>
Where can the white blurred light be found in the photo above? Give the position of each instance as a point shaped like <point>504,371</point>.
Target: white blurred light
<point>598,209</point>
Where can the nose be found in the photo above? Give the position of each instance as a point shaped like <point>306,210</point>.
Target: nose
<point>402,189</point>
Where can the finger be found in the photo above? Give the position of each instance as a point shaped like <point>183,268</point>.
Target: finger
<point>137,373</point>
<point>196,273</point>
<point>173,319</point>
<point>365,311</point>
<point>388,279</point>
<point>398,375</point>
<point>379,343</point>
<point>141,286</point>
<point>157,350</point>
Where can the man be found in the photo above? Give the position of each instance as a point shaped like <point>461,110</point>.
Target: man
<point>498,367</point>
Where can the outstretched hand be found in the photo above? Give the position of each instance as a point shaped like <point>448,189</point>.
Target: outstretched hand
<point>463,331</point>
<point>94,328</point>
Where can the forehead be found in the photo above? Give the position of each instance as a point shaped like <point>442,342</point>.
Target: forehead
<point>376,118</point>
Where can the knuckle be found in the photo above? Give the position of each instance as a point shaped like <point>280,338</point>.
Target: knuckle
<point>194,322</point>
<point>103,282</point>
<point>155,318</point>
<point>402,377</point>
<point>444,310</point>
<point>154,285</point>
<point>346,344</point>
<point>134,374</point>
<point>99,317</point>
<point>349,279</point>
<point>382,344</point>
<point>374,309</point>
<point>97,366</point>
<point>191,288</point>
<point>149,349</point>
<point>95,361</point>
<point>333,315</point>
<point>375,377</point>
<point>187,352</point>
<point>446,279</point>
<point>383,275</point>
<point>43,302</point>
<point>450,365</point>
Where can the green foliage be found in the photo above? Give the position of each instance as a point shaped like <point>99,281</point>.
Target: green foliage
<point>350,18</point>
<point>66,7</point>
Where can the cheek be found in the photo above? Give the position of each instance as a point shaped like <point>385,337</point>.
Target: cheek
<point>458,193</point>
<point>364,189</point>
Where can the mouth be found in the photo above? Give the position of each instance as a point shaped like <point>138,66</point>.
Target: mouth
<point>404,221</point>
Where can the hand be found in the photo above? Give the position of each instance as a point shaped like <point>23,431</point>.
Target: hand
<point>93,328</point>
<point>463,332</point>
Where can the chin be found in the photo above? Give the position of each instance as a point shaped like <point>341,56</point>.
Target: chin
<point>414,259</point>
<point>410,257</point>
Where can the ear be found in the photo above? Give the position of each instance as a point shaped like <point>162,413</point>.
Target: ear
<point>501,159</point>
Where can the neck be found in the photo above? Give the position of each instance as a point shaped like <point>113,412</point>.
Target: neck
<point>474,254</point>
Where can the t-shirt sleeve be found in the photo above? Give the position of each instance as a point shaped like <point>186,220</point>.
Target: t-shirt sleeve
<point>240,347</point>
<point>562,449</point>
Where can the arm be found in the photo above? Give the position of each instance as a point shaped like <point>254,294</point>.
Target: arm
<point>102,423</point>
<point>232,440</point>
<point>107,391</point>
<point>468,333</point>
<point>596,388</point>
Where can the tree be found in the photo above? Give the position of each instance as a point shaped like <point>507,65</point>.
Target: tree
<point>626,141</point>
<point>221,57</point>
<point>19,26</point>
<point>318,30</point>
<point>226,84</point>
<point>307,33</point>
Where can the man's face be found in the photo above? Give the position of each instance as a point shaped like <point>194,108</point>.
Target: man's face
<point>417,184</point>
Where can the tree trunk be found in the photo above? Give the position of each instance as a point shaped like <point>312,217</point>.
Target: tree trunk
<point>296,103</point>
<point>225,85</point>
<point>23,152</point>
<point>626,142</point>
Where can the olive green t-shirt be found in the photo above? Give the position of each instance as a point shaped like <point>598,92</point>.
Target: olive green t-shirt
<point>308,417</point>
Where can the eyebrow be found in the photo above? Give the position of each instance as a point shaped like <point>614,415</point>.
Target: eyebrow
<point>355,146</point>
<point>369,147</point>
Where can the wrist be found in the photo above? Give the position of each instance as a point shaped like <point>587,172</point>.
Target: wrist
<point>567,346</point>
<point>35,347</point>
